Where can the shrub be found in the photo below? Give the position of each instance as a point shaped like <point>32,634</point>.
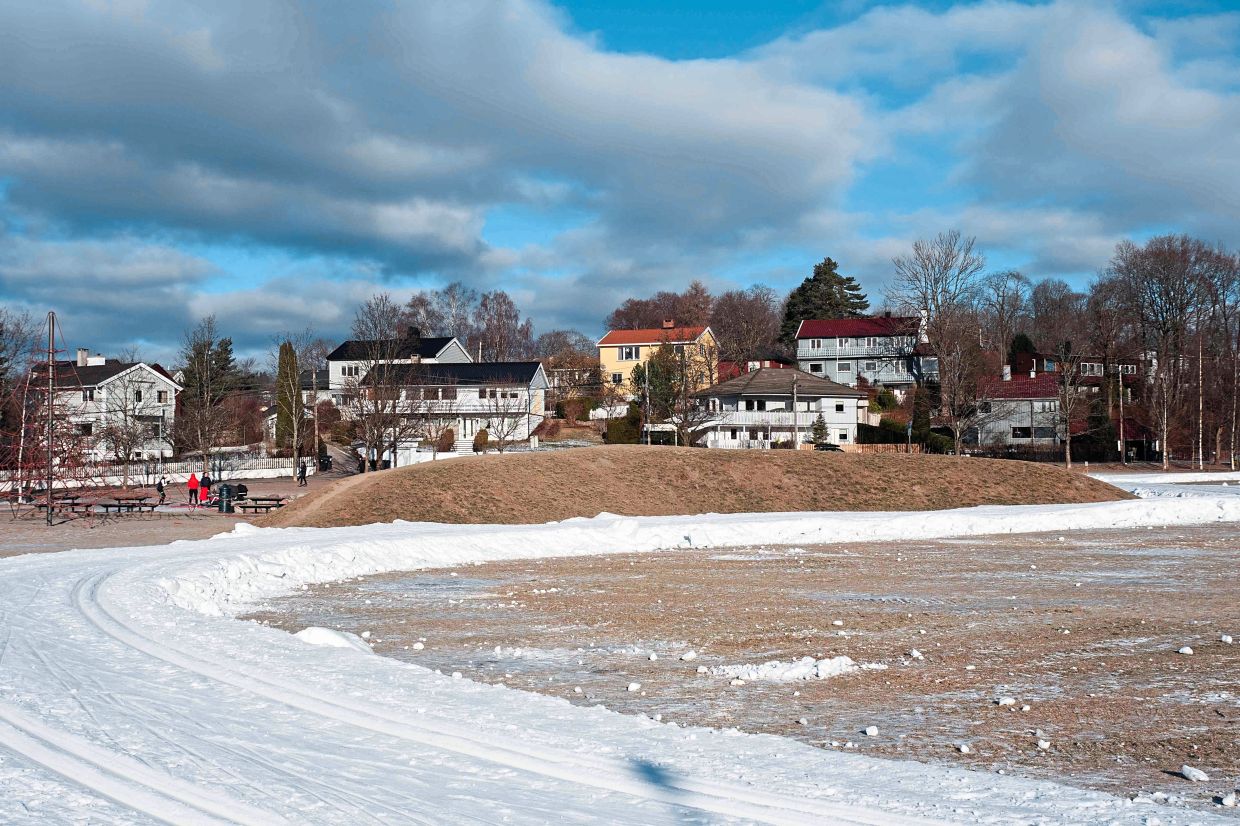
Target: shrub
<point>446,441</point>
<point>481,441</point>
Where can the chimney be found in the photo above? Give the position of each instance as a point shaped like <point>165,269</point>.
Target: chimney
<point>886,313</point>
<point>1007,372</point>
<point>82,355</point>
<point>669,323</point>
<point>1033,372</point>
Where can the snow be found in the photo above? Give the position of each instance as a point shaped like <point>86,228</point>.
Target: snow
<point>332,638</point>
<point>1194,774</point>
<point>806,668</point>
<point>129,693</point>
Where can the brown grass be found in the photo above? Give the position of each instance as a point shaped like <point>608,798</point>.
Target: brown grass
<point>523,488</point>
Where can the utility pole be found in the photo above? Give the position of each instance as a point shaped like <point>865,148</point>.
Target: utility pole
<point>51,365</point>
<point>1123,444</point>
<point>796,423</point>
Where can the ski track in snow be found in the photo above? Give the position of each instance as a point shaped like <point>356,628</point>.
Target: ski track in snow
<point>128,694</point>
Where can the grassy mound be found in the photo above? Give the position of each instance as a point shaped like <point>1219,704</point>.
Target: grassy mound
<point>519,488</point>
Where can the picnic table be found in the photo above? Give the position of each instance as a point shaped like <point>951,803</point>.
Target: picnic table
<point>261,503</point>
<point>129,504</point>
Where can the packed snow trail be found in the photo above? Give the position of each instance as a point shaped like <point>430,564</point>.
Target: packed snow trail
<point>128,694</point>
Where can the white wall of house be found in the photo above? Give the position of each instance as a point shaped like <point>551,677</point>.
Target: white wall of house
<point>138,392</point>
<point>343,375</point>
<point>757,422</point>
<point>1022,423</point>
<point>886,360</point>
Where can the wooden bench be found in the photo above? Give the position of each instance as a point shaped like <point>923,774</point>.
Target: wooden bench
<point>265,507</point>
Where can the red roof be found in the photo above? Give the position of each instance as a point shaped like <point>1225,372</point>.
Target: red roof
<point>656,335</point>
<point>1041,386</point>
<point>854,327</point>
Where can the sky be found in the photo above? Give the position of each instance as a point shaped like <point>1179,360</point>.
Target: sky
<point>274,164</point>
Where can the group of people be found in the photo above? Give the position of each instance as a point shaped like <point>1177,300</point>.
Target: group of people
<point>200,488</point>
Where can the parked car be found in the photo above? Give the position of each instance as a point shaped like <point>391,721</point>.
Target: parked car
<point>828,446</point>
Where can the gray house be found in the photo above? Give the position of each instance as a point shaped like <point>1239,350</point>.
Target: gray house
<point>886,351</point>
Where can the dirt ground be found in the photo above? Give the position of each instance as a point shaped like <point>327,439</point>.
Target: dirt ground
<point>1081,632</point>
<point>635,480</point>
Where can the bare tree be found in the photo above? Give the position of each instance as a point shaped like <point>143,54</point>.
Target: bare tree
<point>440,412</point>
<point>1004,298</point>
<point>203,422</point>
<point>939,275</point>
<point>507,413</point>
<point>746,323</point>
<point>1060,314</point>
<point>963,377</point>
<point>374,391</point>
<point>500,334</point>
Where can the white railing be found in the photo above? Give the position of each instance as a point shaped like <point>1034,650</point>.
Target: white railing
<point>877,351</point>
<point>774,418</point>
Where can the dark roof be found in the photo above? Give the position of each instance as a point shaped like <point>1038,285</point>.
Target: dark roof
<point>307,376</point>
<point>68,374</point>
<point>1041,386</point>
<point>469,373</point>
<point>849,327</point>
<point>426,347</point>
<point>773,381</point>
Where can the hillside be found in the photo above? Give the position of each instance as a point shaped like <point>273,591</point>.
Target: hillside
<point>654,481</point>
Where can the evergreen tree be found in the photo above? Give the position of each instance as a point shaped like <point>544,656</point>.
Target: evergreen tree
<point>825,294</point>
<point>818,431</point>
<point>1021,343</point>
<point>288,397</point>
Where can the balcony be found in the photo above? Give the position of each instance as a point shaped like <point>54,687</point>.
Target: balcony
<point>778,418</point>
<point>884,349</point>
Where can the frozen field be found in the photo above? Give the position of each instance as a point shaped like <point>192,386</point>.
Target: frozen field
<point>1082,629</point>
<point>130,693</point>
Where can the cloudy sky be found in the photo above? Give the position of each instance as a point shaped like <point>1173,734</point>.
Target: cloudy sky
<point>275,163</point>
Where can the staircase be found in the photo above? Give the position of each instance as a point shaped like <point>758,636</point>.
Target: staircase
<point>463,446</point>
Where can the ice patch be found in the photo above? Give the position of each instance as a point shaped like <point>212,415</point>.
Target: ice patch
<point>806,668</point>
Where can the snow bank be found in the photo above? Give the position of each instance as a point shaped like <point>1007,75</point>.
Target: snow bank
<point>331,638</point>
<point>270,562</point>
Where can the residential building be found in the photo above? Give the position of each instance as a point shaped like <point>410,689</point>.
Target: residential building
<point>622,350</point>
<point>505,398</point>
<point>1020,411</point>
<point>732,369</point>
<point>352,360</point>
<point>315,386</point>
<point>885,350</point>
<point>771,405</point>
<point>117,407</point>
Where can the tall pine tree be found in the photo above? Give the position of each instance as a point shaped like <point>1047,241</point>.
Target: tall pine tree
<point>288,398</point>
<point>825,294</point>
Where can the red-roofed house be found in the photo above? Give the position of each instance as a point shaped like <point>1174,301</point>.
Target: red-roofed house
<point>621,350</point>
<point>1023,411</point>
<point>882,349</point>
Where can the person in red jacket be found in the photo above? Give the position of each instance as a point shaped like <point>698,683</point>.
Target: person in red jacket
<point>192,487</point>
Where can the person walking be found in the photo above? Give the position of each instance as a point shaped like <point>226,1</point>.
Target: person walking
<point>192,487</point>
<point>162,490</point>
<point>301,474</point>
<point>204,489</point>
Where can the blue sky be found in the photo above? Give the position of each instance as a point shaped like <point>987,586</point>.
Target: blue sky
<point>275,164</point>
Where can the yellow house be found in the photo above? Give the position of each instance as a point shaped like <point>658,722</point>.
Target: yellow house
<point>621,350</point>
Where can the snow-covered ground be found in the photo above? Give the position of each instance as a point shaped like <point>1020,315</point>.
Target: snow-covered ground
<point>129,694</point>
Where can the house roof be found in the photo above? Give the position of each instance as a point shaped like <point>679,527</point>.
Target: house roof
<point>1041,386</point>
<point>851,327</point>
<point>774,381</point>
<point>464,373</point>
<point>654,335</point>
<point>69,374</point>
<point>426,347</point>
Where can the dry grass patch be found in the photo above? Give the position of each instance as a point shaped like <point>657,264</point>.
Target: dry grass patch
<point>528,488</point>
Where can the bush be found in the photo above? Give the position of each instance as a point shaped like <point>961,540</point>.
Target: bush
<point>482,441</point>
<point>887,400</point>
<point>446,441</point>
<point>626,431</point>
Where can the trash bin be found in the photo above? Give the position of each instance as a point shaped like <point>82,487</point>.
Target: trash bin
<point>226,499</point>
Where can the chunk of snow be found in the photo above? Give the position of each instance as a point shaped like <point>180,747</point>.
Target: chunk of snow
<point>689,656</point>
<point>635,686</point>
<point>417,646</point>
<point>1193,774</point>
<point>806,668</point>
<point>365,635</point>
<point>332,639</point>
<point>837,622</point>
<point>871,731</point>
<point>1228,800</point>
<point>964,748</point>
<point>1044,745</point>
<point>1026,707</point>
<point>653,657</point>
<point>701,669</point>
<point>1226,639</point>
<point>1185,650</point>
<point>1005,701</point>
<point>803,722</point>
<point>915,654</point>
<point>736,681</point>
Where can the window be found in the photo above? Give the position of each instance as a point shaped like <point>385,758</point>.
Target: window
<point>843,341</point>
<point>447,393</point>
<point>1128,369</point>
<point>1021,433</point>
<point>901,368</point>
<point>1044,433</point>
<point>983,407</point>
<point>843,367</point>
<point>88,394</point>
<point>351,371</point>
<point>617,378</point>
<point>930,365</point>
<point>86,428</point>
<point>753,434</point>
<point>871,366</point>
<point>161,396</point>
<point>815,344</point>
<point>137,395</point>
<point>839,408</point>
<point>755,404</point>
<point>732,434</point>
<point>630,353</point>
<point>815,368</point>
<point>843,436</point>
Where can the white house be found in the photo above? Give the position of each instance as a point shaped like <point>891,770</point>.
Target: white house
<point>768,405</point>
<point>1021,411</point>
<point>885,350</point>
<point>349,363</point>
<point>505,398</point>
<point>117,406</point>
